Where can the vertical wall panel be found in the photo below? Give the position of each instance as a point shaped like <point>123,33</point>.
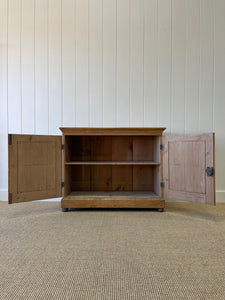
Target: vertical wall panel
<point>178,66</point>
<point>206,67</point>
<point>112,63</point>
<point>219,105</point>
<point>55,67</point>
<point>109,62</point>
<point>68,62</point>
<point>123,63</point>
<point>14,67</point>
<point>3,96</point>
<point>150,61</point>
<point>41,67</point>
<point>164,63</point>
<point>82,78</point>
<point>137,63</point>
<point>27,66</point>
<point>95,62</point>
<point>192,66</point>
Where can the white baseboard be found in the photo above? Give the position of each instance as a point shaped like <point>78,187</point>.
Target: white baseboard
<point>220,196</point>
<point>3,195</point>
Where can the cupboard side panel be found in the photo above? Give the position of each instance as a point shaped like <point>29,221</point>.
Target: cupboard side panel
<point>157,179</point>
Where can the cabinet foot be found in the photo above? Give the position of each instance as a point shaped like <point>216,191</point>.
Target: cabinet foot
<point>64,209</point>
<point>160,209</point>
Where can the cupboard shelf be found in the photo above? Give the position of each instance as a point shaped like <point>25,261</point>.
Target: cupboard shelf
<point>112,194</point>
<point>113,163</point>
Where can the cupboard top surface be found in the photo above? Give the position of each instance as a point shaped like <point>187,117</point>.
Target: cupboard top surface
<point>112,131</point>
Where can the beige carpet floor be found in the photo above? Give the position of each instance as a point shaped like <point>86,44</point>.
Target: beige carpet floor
<point>112,254</point>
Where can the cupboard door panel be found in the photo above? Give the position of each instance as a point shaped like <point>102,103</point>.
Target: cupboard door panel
<point>185,161</point>
<point>35,167</point>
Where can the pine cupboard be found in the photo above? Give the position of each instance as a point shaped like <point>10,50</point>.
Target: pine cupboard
<point>112,168</point>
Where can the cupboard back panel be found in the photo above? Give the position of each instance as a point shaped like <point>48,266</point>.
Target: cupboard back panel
<point>101,178</point>
<point>91,178</point>
<point>112,178</point>
<point>122,178</point>
<point>101,148</point>
<point>88,148</point>
<point>145,148</point>
<point>143,178</point>
<point>81,178</point>
<point>122,148</point>
<point>112,148</point>
<point>78,148</point>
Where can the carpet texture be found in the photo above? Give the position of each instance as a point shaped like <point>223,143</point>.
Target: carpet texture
<point>112,254</point>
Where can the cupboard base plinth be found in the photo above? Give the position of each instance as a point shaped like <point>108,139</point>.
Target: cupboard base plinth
<point>113,200</point>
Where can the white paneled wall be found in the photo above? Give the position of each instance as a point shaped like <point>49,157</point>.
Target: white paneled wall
<point>112,63</point>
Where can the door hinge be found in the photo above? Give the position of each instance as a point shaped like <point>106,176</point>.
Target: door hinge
<point>9,139</point>
<point>10,198</point>
<point>209,171</point>
<point>162,184</point>
<point>62,184</point>
<point>62,147</point>
<point>161,147</point>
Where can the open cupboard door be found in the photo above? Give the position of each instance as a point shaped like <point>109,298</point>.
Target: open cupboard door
<point>188,167</point>
<point>35,167</point>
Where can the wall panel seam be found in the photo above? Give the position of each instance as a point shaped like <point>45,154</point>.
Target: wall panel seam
<point>157,81</point>
<point>75,61</point>
<point>48,64</point>
<point>34,68</point>
<point>21,90</point>
<point>143,64</point>
<point>213,50</point>
<point>200,62</point>
<point>116,68</point>
<point>7,57</point>
<point>61,63</point>
<point>89,106</point>
<point>171,62</point>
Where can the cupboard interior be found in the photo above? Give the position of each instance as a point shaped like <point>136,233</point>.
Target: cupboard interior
<point>112,178</point>
<point>112,148</point>
<point>134,178</point>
